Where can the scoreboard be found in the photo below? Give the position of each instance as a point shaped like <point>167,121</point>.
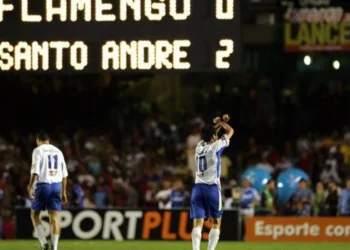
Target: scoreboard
<point>120,35</point>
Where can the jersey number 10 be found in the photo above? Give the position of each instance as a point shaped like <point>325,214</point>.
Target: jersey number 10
<point>202,163</point>
<point>54,158</point>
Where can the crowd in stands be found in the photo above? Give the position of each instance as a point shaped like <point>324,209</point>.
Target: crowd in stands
<point>141,159</point>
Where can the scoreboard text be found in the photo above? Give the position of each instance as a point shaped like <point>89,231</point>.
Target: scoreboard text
<point>119,35</point>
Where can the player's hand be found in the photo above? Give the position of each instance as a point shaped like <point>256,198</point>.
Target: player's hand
<point>31,193</point>
<point>216,120</point>
<point>64,198</point>
<point>226,117</point>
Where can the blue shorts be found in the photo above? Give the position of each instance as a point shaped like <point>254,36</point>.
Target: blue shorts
<point>206,202</point>
<point>47,197</point>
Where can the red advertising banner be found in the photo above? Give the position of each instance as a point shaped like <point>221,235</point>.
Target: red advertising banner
<point>299,229</point>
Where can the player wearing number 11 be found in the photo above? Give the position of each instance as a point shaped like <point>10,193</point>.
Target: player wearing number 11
<point>49,176</point>
<point>206,193</point>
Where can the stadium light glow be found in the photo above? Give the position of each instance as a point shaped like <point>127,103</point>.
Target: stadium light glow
<point>336,64</point>
<point>307,60</point>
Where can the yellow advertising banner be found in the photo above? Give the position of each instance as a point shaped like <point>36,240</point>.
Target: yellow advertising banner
<point>322,25</point>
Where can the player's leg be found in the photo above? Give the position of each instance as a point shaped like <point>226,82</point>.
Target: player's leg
<point>197,233</point>
<point>39,229</point>
<point>214,233</point>
<point>215,210</point>
<point>198,213</point>
<point>39,204</point>
<point>55,229</point>
<point>54,206</point>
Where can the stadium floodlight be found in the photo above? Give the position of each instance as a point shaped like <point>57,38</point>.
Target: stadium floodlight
<point>336,64</point>
<point>307,60</point>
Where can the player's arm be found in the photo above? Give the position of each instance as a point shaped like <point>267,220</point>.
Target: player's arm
<point>34,172</point>
<point>228,129</point>
<point>64,180</point>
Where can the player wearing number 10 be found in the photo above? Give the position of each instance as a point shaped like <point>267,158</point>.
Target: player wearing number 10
<point>206,193</point>
<point>49,176</point>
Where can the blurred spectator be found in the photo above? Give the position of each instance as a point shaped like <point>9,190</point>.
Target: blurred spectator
<point>1,202</point>
<point>191,143</point>
<point>320,199</point>
<point>226,163</point>
<point>344,200</point>
<point>150,196</point>
<point>179,195</point>
<point>284,164</point>
<point>303,199</point>
<point>232,195</point>
<point>89,201</point>
<point>101,194</point>
<point>163,196</point>
<point>77,198</point>
<point>345,151</point>
<point>305,162</point>
<point>268,199</point>
<point>331,203</point>
<point>132,196</point>
<point>249,199</point>
<point>330,172</point>
<point>264,164</point>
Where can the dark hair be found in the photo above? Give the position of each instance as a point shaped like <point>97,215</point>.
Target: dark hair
<point>207,133</point>
<point>303,180</point>
<point>42,136</point>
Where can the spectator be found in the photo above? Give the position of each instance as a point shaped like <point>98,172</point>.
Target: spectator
<point>344,200</point>
<point>77,199</point>
<point>132,196</point>
<point>179,195</point>
<point>232,196</point>
<point>331,203</point>
<point>249,199</point>
<point>303,199</point>
<point>101,194</point>
<point>191,142</point>
<point>163,196</point>
<point>305,162</point>
<point>89,202</point>
<point>264,164</point>
<point>320,199</point>
<point>150,195</point>
<point>329,173</point>
<point>284,164</point>
<point>268,198</point>
<point>1,201</point>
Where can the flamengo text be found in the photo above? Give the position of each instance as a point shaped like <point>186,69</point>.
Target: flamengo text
<point>111,10</point>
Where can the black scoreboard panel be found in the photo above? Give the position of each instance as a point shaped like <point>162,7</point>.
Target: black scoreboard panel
<point>120,35</point>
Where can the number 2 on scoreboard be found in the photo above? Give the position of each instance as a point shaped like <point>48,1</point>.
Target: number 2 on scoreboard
<point>227,46</point>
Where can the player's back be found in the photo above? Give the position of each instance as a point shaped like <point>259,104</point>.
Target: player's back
<point>48,163</point>
<point>208,161</point>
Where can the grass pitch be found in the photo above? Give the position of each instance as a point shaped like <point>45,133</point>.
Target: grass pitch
<point>166,245</point>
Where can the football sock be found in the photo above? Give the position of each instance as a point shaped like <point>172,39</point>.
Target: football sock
<point>213,238</point>
<point>54,241</point>
<point>196,238</point>
<point>41,234</point>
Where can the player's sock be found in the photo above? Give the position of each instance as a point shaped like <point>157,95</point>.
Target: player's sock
<point>41,235</point>
<point>54,241</point>
<point>213,238</point>
<point>196,238</point>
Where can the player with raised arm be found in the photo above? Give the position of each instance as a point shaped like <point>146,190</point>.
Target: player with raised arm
<point>48,183</point>
<point>206,193</point>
